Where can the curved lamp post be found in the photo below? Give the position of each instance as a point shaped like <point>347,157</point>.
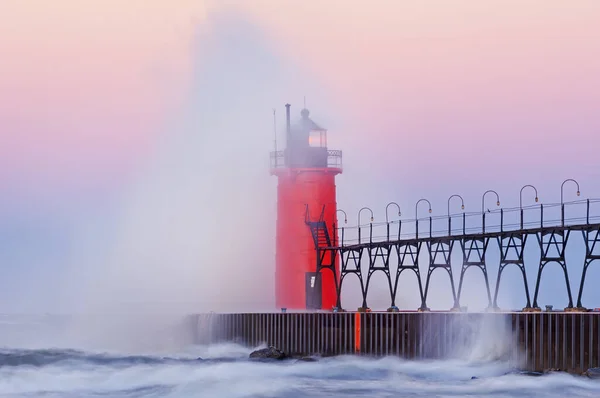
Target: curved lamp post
<point>483,205</point>
<point>462,207</point>
<point>417,213</point>
<point>386,210</point>
<point>562,204</point>
<point>483,199</point>
<point>387,219</point>
<point>521,200</point>
<point>364,208</point>
<point>345,222</point>
<point>345,215</point>
<point>521,195</point>
<point>562,186</point>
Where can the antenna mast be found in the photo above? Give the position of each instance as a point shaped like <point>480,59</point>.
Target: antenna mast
<point>275,129</point>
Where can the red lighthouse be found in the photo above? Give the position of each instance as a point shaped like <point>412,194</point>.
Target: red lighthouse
<point>305,171</point>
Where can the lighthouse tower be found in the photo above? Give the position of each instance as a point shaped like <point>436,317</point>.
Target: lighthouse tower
<point>305,171</point>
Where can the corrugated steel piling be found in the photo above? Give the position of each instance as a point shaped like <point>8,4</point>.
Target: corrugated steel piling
<point>531,341</point>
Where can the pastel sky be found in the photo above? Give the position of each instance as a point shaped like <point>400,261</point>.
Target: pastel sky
<point>134,135</point>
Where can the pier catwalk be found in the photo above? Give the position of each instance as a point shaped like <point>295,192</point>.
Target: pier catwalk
<point>394,247</point>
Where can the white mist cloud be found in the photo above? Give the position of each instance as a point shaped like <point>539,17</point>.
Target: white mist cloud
<point>196,231</point>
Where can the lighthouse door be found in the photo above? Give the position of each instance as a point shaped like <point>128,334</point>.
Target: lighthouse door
<point>313,290</point>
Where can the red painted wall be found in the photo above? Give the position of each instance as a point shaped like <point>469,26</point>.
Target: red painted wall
<point>295,251</point>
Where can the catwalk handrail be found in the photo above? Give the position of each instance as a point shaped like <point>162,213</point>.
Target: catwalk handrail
<point>550,226</point>
<point>396,230</point>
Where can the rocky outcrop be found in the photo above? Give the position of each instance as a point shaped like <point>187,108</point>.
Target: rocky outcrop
<point>273,353</point>
<point>268,353</point>
<point>530,373</point>
<point>593,373</point>
<point>307,359</point>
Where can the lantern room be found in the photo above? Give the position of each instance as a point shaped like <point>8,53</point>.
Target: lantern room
<point>317,136</point>
<point>306,144</point>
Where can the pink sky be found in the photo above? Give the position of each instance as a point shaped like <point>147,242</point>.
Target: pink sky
<point>85,85</point>
<point>425,98</point>
<point>452,70</point>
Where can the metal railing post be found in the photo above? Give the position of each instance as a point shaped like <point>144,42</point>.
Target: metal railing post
<point>430,227</point>
<point>335,232</point>
<point>483,223</point>
<point>587,217</point>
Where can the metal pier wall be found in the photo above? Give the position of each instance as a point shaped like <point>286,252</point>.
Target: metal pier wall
<point>532,341</point>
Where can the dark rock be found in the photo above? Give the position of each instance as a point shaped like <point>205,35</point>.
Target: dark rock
<point>593,373</point>
<point>474,378</point>
<point>553,371</point>
<point>530,373</point>
<point>307,359</point>
<point>268,353</point>
<point>199,359</point>
<point>523,373</point>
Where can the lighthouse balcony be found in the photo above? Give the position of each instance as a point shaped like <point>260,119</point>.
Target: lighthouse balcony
<point>310,158</point>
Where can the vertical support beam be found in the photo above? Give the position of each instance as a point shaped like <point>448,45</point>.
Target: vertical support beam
<point>408,259</point>
<point>381,252</point>
<point>553,251</point>
<point>440,252</point>
<point>474,256</point>
<point>351,264</point>
<point>591,237</point>
<point>512,246</point>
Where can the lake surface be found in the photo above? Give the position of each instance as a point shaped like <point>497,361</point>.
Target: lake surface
<point>35,362</point>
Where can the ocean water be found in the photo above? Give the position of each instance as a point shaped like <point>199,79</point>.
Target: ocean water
<point>46,370</point>
<point>225,371</point>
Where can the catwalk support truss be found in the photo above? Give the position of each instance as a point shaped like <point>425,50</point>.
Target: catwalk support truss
<point>392,256</point>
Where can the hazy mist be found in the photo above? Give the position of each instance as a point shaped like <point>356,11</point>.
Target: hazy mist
<point>192,227</point>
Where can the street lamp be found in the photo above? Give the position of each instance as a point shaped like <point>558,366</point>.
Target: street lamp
<point>364,208</point>
<point>483,206</point>
<point>345,215</point>
<point>562,205</point>
<point>483,199</point>
<point>386,210</point>
<point>417,205</point>
<point>387,220</point>
<point>335,236</point>
<point>521,195</point>
<point>462,207</point>
<point>563,184</point>
<point>417,214</point>
<point>521,200</point>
